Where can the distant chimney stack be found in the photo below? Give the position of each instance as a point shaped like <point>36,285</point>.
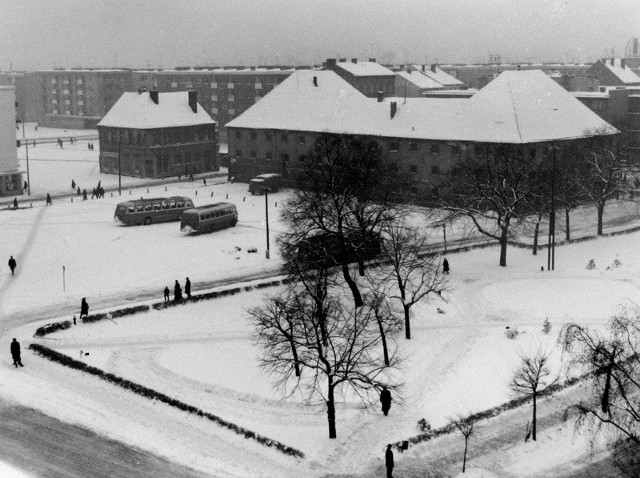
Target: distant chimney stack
<point>153,94</point>
<point>315,81</point>
<point>394,108</point>
<point>372,60</point>
<point>623,63</point>
<point>433,67</point>
<point>613,62</point>
<point>380,96</point>
<point>423,68</point>
<point>193,100</point>
<point>330,62</point>
<point>354,60</point>
<point>342,60</point>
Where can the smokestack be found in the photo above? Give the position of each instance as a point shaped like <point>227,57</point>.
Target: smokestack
<point>394,108</point>
<point>153,94</point>
<point>423,68</point>
<point>315,81</point>
<point>193,100</point>
<point>433,67</point>
<point>380,96</point>
<point>354,60</point>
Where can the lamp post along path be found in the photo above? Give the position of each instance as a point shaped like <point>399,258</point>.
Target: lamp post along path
<point>266,214</point>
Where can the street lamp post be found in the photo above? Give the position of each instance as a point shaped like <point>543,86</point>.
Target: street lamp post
<point>266,214</point>
<point>551,247</point>
<point>26,149</point>
<point>119,167</point>
<point>444,234</point>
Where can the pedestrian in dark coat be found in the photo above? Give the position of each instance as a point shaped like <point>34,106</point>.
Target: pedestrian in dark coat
<point>445,266</point>
<point>177,292</point>
<point>388,461</point>
<point>79,192</point>
<point>15,353</point>
<point>204,181</point>
<point>84,194</point>
<point>385,399</point>
<point>12,264</point>
<point>73,184</point>
<point>84,307</point>
<point>25,186</point>
<point>166,294</point>
<point>49,199</point>
<point>15,203</point>
<point>187,288</point>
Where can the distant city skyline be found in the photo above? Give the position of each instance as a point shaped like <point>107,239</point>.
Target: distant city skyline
<point>37,34</point>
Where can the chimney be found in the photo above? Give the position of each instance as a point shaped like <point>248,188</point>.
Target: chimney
<point>433,67</point>
<point>423,68</point>
<point>613,62</point>
<point>354,60</point>
<point>193,100</point>
<point>372,60</point>
<point>623,63</point>
<point>153,94</point>
<point>380,96</point>
<point>394,108</point>
<point>315,81</point>
<point>342,60</point>
<point>331,62</point>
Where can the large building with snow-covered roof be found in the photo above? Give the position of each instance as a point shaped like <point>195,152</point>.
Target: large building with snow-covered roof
<point>151,134</point>
<point>425,135</point>
<point>613,72</point>
<point>10,176</point>
<point>368,77</point>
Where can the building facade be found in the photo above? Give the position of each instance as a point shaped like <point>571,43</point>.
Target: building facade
<point>10,176</point>
<point>151,134</point>
<point>368,77</point>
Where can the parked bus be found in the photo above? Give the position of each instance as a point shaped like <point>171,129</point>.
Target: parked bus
<point>209,218</point>
<point>271,182</point>
<point>147,211</point>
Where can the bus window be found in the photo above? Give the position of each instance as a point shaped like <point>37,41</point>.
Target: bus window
<point>132,209</point>
<point>181,204</point>
<point>202,217</point>
<point>189,204</point>
<point>165,205</point>
<point>148,207</point>
<point>172,205</point>
<point>156,207</point>
<point>139,208</point>
<point>122,209</point>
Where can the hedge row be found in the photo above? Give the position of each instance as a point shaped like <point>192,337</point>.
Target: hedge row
<point>51,328</point>
<point>87,319</point>
<point>129,311</point>
<point>196,298</point>
<point>493,412</point>
<point>154,395</point>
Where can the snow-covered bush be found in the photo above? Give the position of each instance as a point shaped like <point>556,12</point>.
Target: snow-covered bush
<point>546,326</point>
<point>511,333</point>
<point>424,426</point>
<point>51,328</point>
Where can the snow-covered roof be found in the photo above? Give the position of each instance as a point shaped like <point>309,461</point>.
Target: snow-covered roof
<point>137,110</point>
<point>590,94</point>
<point>419,79</point>
<point>624,74</point>
<point>440,76</point>
<point>517,107</point>
<point>365,68</point>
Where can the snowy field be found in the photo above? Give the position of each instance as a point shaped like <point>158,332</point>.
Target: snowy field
<point>458,362</point>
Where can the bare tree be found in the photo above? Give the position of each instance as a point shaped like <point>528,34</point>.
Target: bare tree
<point>466,426</point>
<point>491,189</point>
<point>338,351</point>
<point>614,361</point>
<point>388,322</point>
<point>531,379</point>
<point>415,276</point>
<point>568,191</point>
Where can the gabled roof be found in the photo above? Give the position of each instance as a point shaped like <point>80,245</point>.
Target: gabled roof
<point>365,68</point>
<point>137,110</point>
<point>624,74</point>
<point>420,80</point>
<point>440,76</point>
<point>518,107</point>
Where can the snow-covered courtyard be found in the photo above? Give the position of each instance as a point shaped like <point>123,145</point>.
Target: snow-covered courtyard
<point>459,360</point>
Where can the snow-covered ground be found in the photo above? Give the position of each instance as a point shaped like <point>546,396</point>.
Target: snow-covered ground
<point>457,362</point>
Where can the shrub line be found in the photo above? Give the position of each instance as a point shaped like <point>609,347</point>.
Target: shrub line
<point>138,389</point>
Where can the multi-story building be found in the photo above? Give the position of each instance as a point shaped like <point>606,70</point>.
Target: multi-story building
<point>153,134</point>
<point>426,136</point>
<point>10,176</point>
<point>368,77</point>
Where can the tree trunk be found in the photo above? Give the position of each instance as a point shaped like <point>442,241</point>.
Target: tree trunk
<point>357,298</point>
<point>296,363</point>
<point>533,426</point>
<point>600,214</point>
<point>535,239</point>
<point>331,412</point>
<point>407,322</point>
<point>360,267</point>
<point>567,231</point>
<point>464,460</point>
<point>503,247</point>
<point>383,338</point>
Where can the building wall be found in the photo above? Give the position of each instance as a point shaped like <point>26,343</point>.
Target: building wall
<point>10,177</point>
<point>158,152</point>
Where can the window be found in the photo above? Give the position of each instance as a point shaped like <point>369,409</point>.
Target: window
<point>253,135</point>
<point>435,170</point>
<point>231,86</point>
<point>455,150</point>
<point>267,135</point>
<point>80,93</point>
<point>214,98</point>
<point>435,148</point>
<point>232,111</point>
<point>413,168</point>
<point>79,81</point>
<point>284,157</point>
<point>238,153</point>
<point>238,135</point>
<point>394,146</point>
<point>214,111</point>
<point>258,86</point>
<point>214,84</point>
<point>53,81</point>
<point>174,84</point>
<point>54,101</point>
<point>65,92</point>
<point>284,137</point>
<point>55,112</point>
<point>269,156</point>
<point>413,146</point>
<point>80,102</point>
<point>67,102</point>
<point>231,99</point>
<point>67,112</point>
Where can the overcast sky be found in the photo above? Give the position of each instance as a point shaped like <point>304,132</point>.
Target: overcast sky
<point>36,34</point>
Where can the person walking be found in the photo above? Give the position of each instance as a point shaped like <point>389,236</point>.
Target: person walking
<point>15,353</point>
<point>177,292</point>
<point>166,294</point>
<point>15,203</point>
<point>73,184</point>
<point>25,186</point>
<point>388,461</point>
<point>79,192</point>
<point>204,181</point>
<point>385,399</point>
<point>187,288</point>
<point>12,265</point>
<point>49,199</point>
<point>445,266</point>
<point>84,307</point>
<point>84,194</point>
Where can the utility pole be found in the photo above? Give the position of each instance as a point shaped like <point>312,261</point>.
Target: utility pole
<point>26,148</point>
<point>266,213</point>
<point>551,246</point>
<point>119,166</point>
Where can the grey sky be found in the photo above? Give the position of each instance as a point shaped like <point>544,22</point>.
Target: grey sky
<point>139,33</point>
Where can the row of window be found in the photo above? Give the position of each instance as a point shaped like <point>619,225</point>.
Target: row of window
<point>54,81</point>
<point>155,137</point>
<point>218,213</point>
<point>68,112</point>
<point>268,136</point>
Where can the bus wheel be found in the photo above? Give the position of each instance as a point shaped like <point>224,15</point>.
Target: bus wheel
<point>147,221</point>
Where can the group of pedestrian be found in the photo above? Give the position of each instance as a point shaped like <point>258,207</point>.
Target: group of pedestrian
<point>177,291</point>
<point>90,146</point>
<point>60,143</point>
